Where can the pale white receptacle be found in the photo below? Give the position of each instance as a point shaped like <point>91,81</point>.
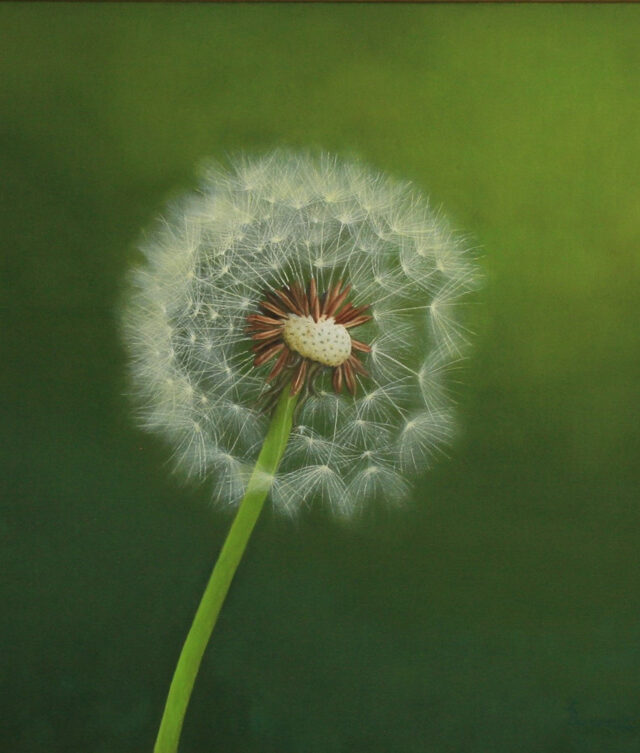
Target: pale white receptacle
<point>324,341</point>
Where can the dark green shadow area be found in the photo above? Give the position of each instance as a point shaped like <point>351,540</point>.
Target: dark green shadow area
<point>500,611</point>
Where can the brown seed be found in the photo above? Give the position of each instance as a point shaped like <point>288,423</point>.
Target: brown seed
<point>298,380</point>
<point>344,314</point>
<point>357,345</point>
<point>337,379</point>
<point>267,354</point>
<point>350,313</point>
<point>287,300</point>
<point>356,322</point>
<point>273,308</point>
<point>279,365</point>
<point>267,334</point>
<point>314,303</point>
<point>260,319</point>
<point>330,296</point>
<point>357,366</point>
<point>337,302</point>
<point>299,298</point>
<point>348,377</point>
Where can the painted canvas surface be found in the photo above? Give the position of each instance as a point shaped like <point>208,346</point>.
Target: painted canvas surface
<point>498,608</point>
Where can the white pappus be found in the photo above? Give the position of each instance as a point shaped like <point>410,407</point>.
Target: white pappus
<point>285,222</point>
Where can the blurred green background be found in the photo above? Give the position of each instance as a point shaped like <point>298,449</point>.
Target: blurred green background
<point>501,610</point>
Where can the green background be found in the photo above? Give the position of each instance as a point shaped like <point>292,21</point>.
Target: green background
<point>498,612</point>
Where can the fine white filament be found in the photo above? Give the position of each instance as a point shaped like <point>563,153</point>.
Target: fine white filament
<point>262,225</point>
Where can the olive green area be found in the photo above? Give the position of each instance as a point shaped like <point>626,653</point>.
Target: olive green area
<point>500,609</point>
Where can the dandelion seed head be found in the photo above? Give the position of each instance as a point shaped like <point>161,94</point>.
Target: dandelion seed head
<point>377,405</point>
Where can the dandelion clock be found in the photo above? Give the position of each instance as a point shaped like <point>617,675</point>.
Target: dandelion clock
<point>290,333</point>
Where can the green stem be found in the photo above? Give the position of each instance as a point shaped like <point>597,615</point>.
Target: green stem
<point>222,575</point>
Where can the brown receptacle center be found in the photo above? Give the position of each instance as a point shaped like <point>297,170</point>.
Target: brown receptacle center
<point>305,332</point>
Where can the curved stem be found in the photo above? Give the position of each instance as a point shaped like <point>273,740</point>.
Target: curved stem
<point>222,575</point>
